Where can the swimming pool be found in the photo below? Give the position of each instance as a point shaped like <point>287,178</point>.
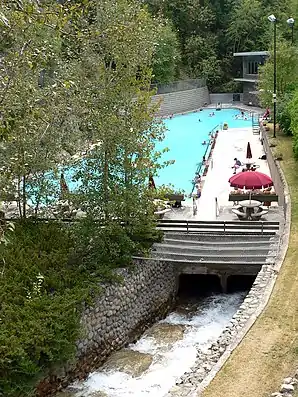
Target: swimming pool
<point>184,137</point>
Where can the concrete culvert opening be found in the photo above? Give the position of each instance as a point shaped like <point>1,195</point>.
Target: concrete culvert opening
<point>239,283</point>
<point>198,285</point>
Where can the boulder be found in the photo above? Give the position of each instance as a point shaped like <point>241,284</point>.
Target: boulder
<point>285,388</point>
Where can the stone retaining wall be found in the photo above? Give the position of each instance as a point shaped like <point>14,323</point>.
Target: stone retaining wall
<point>181,101</point>
<point>118,316</point>
<point>144,297</point>
<point>275,170</point>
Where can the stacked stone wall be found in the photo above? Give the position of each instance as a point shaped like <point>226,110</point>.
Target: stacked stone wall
<point>121,313</point>
<point>145,296</point>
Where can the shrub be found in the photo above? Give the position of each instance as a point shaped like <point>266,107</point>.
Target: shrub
<point>47,273</point>
<point>284,116</point>
<point>40,295</point>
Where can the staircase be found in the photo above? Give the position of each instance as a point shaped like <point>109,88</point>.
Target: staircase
<point>218,243</point>
<point>255,124</point>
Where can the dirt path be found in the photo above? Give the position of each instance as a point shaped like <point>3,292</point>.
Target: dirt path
<point>269,352</point>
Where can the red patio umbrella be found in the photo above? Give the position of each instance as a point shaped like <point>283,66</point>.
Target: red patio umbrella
<point>248,151</point>
<point>151,182</point>
<point>250,180</point>
<point>63,185</point>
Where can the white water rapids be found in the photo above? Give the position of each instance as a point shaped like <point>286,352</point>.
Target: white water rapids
<point>169,347</point>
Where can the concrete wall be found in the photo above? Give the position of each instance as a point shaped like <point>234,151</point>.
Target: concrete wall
<point>275,170</point>
<point>181,101</point>
<point>248,97</point>
<point>223,98</point>
<point>223,271</point>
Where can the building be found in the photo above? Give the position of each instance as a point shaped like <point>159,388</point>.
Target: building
<point>250,65</point>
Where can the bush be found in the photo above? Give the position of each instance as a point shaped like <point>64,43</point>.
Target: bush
<point>40,295</point>
<point>43,285</point>
<point>284,116</point>
<point>102,249</point>
<point>44,282</point>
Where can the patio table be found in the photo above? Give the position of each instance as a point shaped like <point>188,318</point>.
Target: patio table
<point>249,205</point>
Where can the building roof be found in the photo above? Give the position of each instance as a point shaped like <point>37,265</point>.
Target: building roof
<point>249,54</point>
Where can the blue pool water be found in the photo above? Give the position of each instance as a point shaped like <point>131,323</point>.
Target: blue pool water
<point>184,137</point>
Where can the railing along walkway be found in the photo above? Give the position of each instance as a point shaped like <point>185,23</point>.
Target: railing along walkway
<point>229,227</point>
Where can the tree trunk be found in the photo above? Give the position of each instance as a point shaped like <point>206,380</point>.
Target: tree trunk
<point>19,196</point>
<point>24,196</point>
<point>127,182</point>
<point>106,184</point>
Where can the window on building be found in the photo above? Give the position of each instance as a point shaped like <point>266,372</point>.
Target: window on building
<point>252,67</point>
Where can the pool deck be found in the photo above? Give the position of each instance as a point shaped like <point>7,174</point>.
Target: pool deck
<point>230,143</point>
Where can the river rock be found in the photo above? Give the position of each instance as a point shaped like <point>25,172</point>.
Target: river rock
<point>287,380</point>
<point>167,333</point>
<point>128,361</point>
<point>286,388</point>
<point>98,394</point>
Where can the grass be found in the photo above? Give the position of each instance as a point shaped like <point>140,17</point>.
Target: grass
<point>269,352</point>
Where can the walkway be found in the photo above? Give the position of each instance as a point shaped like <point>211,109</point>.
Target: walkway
<point>230,144</point>
<point>268,352</point>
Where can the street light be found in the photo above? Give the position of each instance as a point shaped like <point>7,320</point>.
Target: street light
<point>291,22</point>
<point>272,19</point>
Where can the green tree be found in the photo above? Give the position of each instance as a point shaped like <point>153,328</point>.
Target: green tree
<point>121,119</point>
<point>167,56</point>
<point>286,76</point>
<point>292,110</point>
<point>36,126</point>
<point>248,22</point>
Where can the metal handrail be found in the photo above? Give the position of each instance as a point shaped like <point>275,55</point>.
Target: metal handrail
<point>200,165</point>
<point>225,225</point>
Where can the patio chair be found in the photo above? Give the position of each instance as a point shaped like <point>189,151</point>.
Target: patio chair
<point>258,215</point>
<point>241,215</point>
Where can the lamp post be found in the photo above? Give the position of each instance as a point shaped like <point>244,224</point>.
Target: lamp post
<point>291,22</point>
<point>272,19</point>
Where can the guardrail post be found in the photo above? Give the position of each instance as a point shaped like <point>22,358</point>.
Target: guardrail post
<point>262,227</point>
<point>224,227</point>
<point>186,226</point>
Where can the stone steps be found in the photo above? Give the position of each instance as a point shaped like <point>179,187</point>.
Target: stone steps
<point>227,237</point>
<point>214,244</point>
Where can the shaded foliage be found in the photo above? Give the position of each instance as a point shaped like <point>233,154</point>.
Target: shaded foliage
<point>212,30</point>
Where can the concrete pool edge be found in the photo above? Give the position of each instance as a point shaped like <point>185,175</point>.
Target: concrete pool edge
<point>239,106</point>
